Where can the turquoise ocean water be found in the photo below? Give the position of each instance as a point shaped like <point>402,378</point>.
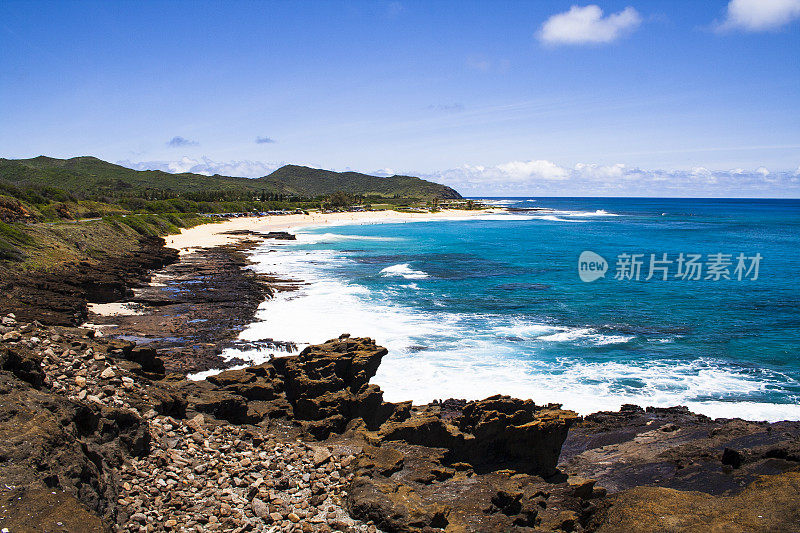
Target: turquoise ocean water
<point>495,304</point>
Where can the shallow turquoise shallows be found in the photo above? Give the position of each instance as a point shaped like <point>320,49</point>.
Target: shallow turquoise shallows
<point>495,304</point>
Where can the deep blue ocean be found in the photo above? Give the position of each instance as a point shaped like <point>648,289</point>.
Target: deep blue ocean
<point>495,304</point>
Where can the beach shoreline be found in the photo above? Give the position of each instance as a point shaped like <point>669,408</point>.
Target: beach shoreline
<point>211,235</point>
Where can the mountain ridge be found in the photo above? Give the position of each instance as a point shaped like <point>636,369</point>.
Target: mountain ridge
<point>92,177</point>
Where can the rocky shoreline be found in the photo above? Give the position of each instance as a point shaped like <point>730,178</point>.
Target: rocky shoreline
<point>103,434</point>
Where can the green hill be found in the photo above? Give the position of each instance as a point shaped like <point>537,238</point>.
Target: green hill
<point>306,181</point>
<point>91,178</point>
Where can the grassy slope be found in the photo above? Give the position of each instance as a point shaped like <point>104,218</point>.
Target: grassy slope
<point>45,245</point>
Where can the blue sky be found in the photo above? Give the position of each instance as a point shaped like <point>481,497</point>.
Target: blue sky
<point>674,98</point>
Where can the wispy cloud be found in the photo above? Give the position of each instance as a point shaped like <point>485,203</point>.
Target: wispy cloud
<point>587,25</point>
<point>482,63</point>
<point>759,15</point>
<point>207,166</point>
<point>265,140</point>
<point>447,108</point>
<point>178,142</point>
<point>393,9</point>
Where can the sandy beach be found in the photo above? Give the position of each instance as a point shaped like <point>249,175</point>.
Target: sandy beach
<point>209,235</point>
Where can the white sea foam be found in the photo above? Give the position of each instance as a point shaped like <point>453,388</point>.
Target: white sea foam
<point>403,270</point>
<point>524,330</point>
<point>588,335</point>
<point>553,218</point>
<point>597,213</point>
<point>317,238</point>
<point>503,216</point>
<point>583,387</point>
<point>494,201</point>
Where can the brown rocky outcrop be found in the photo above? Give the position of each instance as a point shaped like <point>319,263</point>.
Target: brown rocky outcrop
<point>322,389</point>
<point>498,432</point>
<point>12,210</point>
<point>59,297</point>
<point>673,448</point>
<point>404,488</point>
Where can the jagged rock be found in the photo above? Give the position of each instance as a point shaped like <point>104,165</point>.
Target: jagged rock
<point>328,384</point>
<point>498,432</point>
<point>325,387</point>
<point>248,384</point>
<point>515,433</point>
<point>404,488</point>
<point>202,398</point>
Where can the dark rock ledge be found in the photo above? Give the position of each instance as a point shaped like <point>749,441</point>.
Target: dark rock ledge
<point>97,436</point>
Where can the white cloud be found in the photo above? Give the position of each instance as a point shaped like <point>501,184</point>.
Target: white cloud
<point>595,171</point>
<point>586,25</point>
<point>539,169</point>
<point>759,15</point>
<point>204,165</point>
<point>763,171</point>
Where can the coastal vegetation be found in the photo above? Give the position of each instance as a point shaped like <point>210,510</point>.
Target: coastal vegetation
<point>54,210</point>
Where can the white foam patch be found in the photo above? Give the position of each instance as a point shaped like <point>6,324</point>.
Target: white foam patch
<point>554,218</point>
<point>589,335</point>
<point>403,270</point>
<point>317,238</point>
<point>597,213</point>
<point>524,330</point>
<point>494,201</point>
